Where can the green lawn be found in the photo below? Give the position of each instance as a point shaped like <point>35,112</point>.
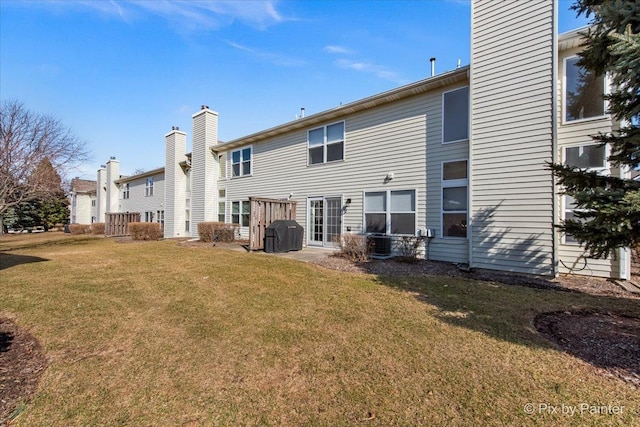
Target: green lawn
<point>153,333</point>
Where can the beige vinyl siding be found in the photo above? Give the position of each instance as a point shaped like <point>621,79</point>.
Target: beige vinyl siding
<point>388,139</point>
<point>138,202</point>
<point>512,72</point>
<point>573,134</point>
<point>175,191</point>
<point>444,249</point>
<point>204,168</point>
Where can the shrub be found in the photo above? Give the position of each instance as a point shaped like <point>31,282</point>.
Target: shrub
<point>97,228</point>
<point>79,228</point>
<point>145,230</point>
<point>409,246</point>
<point>353,246</point>
<point>217,232</point>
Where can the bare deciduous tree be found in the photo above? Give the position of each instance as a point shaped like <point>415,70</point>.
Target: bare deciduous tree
<point>27,140</point>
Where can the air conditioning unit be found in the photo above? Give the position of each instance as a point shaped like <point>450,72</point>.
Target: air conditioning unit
<point>379,245</point>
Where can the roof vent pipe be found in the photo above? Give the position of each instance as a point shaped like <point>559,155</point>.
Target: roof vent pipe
<point>433,66</point>
<point>459,63</point>
<point>302,112</point>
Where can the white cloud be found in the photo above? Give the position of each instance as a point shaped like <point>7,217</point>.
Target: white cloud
<point>337,50</point>
<point>368,67</point>
<point>189,15</point>
<point>274,58</point>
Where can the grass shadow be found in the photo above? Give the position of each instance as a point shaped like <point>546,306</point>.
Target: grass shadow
<point>8,260</point>
<point>503,311</point>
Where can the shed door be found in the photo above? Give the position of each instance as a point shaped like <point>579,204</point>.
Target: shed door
<point>325,220</point>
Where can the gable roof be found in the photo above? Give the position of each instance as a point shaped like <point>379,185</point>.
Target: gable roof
<point>83,185</point>
<point>146,174</point>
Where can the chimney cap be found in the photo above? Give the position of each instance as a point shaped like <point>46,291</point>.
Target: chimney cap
<point>112,158</point>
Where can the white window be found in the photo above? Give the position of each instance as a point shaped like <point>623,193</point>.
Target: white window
<point>241,162</point>
<point>589,157</point>
<point>390,212</point>
<point>222,166</point>
<point>455,183</point>
<point>583,92</point>
<point>326,143</point>
<point>125,190</point>
<point>93,203</point>
<point>455,115</point>
<point>187,222</point>
<point>240,213</point>
<point>160,218</point>
<point>148,216</point>
<point>148,189</point>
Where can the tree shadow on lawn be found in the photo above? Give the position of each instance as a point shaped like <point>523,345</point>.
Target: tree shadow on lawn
<point>512,313</point>
<point>8,260</point>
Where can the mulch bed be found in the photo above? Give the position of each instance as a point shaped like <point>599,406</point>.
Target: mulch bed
<point>22,362</point>
<point>607,341</point>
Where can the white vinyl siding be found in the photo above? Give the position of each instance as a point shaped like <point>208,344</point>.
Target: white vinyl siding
<point>512,135</point>
<point>139,200</point>
<point>410,128</point>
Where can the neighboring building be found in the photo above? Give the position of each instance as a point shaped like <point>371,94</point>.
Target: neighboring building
<point>83,201</point>
<point>143,193</point>
<point>459,158</point>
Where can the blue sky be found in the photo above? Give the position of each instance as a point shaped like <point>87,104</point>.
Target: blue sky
<point>121,73</point>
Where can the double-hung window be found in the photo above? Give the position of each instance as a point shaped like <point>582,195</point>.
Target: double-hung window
<point>326,143</point>
<point>455,115</point>
<point>222,205</point>
<point>240,213</point>
<point>125,190</point>
<point>454,199</point>
<point>589,157</point>
<point>583,92</point>
<point>148,189</point>
<point>241,162</point>
<point>390,212</point>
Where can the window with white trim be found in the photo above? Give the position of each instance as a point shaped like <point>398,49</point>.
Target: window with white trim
<point>148,216</point>
<point>455,115</point>
<point>455,184</point>
<point>241,162</point>
<point>326,144</point>
<point>390,212</point>
<point>125,190</point>
<point>160,218</point>
<point>583,91</point>
<point>240,213</point>
<point>93,203</point>
<point>589,157</point>
<point>222,205</point>
<point>148,188</point>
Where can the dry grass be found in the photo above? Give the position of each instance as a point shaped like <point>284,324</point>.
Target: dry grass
<point>151,333</point>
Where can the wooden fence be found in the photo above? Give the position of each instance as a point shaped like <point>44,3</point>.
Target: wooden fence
<point>117,224</point>
<point>262,213</point>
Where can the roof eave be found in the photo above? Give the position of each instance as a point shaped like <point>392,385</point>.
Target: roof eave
<point>416,88</point>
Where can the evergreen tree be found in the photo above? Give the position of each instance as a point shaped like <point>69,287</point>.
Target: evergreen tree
<point>607,213</point>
